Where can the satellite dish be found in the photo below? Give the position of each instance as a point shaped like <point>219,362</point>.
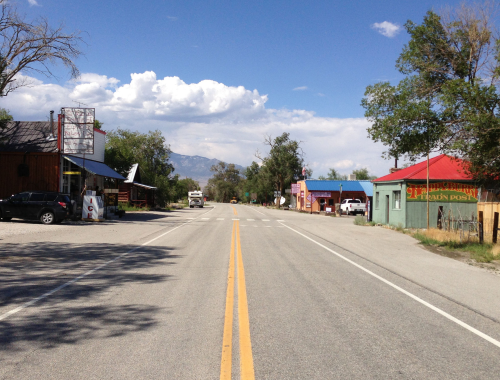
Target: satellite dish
<point>282,200</point>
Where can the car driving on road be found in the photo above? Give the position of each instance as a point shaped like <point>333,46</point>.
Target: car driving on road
<point>48,207</point>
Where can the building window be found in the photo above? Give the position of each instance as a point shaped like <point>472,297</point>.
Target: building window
<point>396,202</point>
<point>377,199</point>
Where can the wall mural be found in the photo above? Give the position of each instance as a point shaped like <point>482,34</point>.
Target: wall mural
<point>442,192</point>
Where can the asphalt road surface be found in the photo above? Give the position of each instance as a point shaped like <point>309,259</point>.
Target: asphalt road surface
<point>239,292</point>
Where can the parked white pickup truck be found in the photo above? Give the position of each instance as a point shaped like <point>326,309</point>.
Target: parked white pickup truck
<point>352,206</point>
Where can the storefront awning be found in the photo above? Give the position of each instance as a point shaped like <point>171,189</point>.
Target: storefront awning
<point>94,167</point>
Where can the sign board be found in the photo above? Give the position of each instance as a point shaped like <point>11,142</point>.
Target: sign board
<point>442,192</point>
<point>277,193</point>
<point>93,208</point>
<point>322,194</point>
<point>328,209</point>
<point>253,196</point>
<point>77,129</point>
<point>302,194</point>
<point>288,191</point>
<point>247,194</point>
<point>295,188</point>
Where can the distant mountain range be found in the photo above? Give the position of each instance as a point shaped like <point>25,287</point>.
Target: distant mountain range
<point>195,167</point>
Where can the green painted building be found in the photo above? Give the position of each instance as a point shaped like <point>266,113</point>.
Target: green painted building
<point>400,198</point>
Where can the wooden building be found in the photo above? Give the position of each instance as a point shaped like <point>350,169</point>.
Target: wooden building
<point>31,159</point>
<point>400,198</point>
<point>134,192</point>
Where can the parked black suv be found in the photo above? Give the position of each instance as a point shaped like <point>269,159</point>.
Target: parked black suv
<point>48,207</point>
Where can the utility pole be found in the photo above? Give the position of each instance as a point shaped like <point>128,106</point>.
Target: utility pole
<point>427,189</point>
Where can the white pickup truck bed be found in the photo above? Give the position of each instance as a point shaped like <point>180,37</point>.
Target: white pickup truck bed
<point>353,206</point>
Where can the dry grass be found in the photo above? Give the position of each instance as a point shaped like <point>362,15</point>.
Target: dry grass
<point>451,240</point>
<point>442,235</point>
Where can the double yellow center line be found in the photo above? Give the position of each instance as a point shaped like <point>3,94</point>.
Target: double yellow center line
<point>246,358</point>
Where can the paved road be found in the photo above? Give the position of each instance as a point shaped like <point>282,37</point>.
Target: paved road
<point>240,292</point>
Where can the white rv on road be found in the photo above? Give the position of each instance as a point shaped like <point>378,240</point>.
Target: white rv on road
<point>195,198</point>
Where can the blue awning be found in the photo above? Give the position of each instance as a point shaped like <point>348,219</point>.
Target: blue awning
<point>334,185</point>
<point>94,167</point>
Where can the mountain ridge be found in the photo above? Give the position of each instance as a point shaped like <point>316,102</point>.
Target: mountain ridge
<point>195,167</point>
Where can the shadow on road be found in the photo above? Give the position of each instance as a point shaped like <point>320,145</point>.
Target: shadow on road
<point>30,270</point>
<point>55,326</point>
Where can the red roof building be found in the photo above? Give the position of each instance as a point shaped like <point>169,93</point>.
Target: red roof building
<point>400,198</point>
<point>442,167</point>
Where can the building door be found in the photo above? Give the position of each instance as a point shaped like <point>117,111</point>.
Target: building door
<point>322,204</point>
<point>387,209</point>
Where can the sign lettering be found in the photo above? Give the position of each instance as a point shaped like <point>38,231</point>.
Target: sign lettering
<point>442,192</point>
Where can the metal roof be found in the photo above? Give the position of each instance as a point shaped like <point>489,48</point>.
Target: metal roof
<point>142,185</point>
<point>94,167</point>
<point>442,167</point>
<point>131,178</point>
<point>326,185</point>
<point>131,173</point>
<point>28,136</point>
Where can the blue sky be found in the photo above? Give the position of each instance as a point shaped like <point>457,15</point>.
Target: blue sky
<point>306,64</point>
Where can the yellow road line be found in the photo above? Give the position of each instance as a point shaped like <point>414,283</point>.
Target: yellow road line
<point>227,339</point>
<point>234,210</point>
<point>246,357</point>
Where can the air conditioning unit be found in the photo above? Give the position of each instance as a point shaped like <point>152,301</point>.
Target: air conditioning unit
<point>352,177</point>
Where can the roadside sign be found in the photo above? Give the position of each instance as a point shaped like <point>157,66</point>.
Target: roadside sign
<point>288,191</point>
<point>277,194</point>
<point>295,188</point>
<point>254,196</point>
<point>247,194</point>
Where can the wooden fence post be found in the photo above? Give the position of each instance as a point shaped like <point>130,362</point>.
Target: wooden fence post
<point>495,227</point>
<point>480,227</point>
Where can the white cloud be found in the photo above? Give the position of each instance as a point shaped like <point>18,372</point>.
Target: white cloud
<point>172,18</point>
<point>301,88</point>
<point>33,3</point>
<point>207,118</point>
<point>386,28</point>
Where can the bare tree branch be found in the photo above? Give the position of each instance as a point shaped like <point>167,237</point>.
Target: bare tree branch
<point>32,47</point>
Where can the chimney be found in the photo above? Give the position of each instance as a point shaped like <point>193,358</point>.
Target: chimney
<point>352,177</point>
<point>393,170</point>
<point>52,123</point>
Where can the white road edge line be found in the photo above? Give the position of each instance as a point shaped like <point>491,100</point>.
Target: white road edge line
<point>50,292</point>
<point>425,303</point>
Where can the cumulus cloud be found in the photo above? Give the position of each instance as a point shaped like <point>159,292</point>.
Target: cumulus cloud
<point>301,88</point>
<point>207,118</point>
<point>387,28</point>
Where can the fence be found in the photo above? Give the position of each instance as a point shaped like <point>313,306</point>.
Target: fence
<point>489,209</point>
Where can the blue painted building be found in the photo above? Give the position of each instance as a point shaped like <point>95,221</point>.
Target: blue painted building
<point>324,195</point>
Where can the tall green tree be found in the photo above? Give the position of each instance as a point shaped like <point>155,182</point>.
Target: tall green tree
<point>448,100</point>
<point>5,117</point>
<point>224,184</point>
<point>125,148</point>
<point>363,174</point>
<point>284,162</point>
<point>258,181</point>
